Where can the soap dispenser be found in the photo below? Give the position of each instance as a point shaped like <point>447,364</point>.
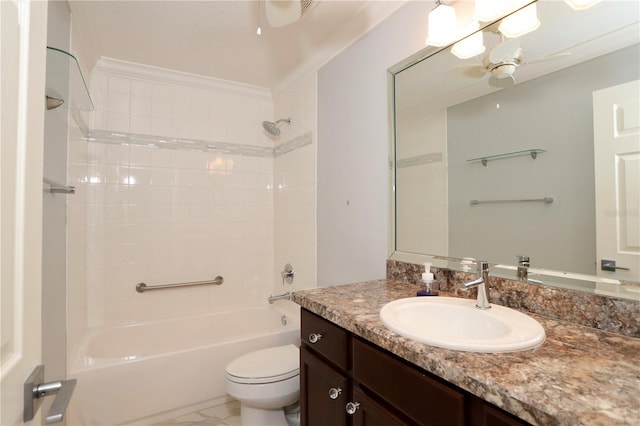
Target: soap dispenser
<point>431,286</point>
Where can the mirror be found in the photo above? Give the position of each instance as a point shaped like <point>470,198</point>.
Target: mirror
<point>493,169</point>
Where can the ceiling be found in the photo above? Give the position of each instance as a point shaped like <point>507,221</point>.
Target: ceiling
<point>218,38</point>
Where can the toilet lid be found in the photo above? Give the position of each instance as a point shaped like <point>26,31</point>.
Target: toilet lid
<point>265,365</point>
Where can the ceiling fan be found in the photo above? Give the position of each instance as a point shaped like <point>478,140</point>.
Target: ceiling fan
<point>502,62</point>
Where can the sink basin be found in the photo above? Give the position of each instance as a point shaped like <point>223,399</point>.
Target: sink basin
<point>455,323</point>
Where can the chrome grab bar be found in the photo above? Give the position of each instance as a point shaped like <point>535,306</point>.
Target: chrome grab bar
<point>546,200</point>
<point>142,287</point>
<point>282,296</point>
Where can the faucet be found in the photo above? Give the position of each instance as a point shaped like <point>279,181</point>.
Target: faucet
<point>480,282</point>
<point>523,267</point>
<point>282,296</point>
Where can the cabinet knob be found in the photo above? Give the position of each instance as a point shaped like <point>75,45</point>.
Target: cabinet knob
<point>334,393</point>
<point>352,407</point>
<point>314,337</point>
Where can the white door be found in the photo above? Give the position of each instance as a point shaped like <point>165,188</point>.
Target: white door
<point>23,30</point>
<point>616,121</point>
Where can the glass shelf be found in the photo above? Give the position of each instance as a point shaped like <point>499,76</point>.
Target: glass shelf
<point>65,81</point>
<point>484,160</point>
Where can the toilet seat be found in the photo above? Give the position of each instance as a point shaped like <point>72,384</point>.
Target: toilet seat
<point>265,366</point>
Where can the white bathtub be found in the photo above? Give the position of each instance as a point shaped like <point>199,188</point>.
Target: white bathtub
<point>129,373</point>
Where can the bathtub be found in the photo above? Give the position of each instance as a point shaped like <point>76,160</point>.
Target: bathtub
<point>129,373</point>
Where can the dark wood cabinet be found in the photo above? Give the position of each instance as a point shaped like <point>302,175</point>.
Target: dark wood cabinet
<point>346,380</point>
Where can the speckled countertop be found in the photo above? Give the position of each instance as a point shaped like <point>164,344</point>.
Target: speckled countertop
<point>579,376</point>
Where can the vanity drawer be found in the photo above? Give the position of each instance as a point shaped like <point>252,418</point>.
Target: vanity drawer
<point>325,338</point>
<point>422,398</point>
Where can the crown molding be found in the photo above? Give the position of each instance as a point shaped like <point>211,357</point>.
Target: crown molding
<point>163,75</point>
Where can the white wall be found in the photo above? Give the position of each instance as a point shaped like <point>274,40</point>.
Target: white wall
<point>353,148</point>
<point>295,188</point>
<point>54,263</point>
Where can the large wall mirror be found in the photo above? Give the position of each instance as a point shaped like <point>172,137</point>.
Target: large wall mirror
<point>539,159</point>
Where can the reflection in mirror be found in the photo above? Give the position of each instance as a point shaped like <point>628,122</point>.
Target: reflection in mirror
<point>494,169</point>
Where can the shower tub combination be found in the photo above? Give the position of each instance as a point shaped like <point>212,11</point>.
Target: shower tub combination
<point>129,373</point>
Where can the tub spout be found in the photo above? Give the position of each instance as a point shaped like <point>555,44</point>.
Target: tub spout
<point>282,296</point>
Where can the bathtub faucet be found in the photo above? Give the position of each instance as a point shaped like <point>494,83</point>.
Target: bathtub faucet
<point>282,296</point>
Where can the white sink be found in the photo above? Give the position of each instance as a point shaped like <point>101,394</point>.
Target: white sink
<point>456,323</point>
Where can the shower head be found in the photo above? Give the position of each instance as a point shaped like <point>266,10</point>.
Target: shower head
<point>272,128</point>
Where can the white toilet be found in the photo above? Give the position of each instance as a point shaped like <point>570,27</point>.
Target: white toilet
<point>265,382</point>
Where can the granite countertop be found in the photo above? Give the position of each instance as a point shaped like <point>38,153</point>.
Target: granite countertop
<point>579,376</point>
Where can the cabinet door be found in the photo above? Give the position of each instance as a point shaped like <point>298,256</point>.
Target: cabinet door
<point>326,338</point>
<point>370,413</point>
<point>323,392</point>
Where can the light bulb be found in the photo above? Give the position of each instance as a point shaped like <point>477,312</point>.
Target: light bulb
<point>259,31</point>
<point>442,26</point>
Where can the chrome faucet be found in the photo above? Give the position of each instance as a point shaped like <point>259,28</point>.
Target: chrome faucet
<point>282,296</point>
<point>480,282</point>
<point>523,267</point>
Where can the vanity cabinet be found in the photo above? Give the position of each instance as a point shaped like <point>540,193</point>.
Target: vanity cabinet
<point>346,380</point>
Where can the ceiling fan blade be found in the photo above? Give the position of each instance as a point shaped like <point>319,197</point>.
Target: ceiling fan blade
<point>505,50</point>
<point>477,71</point>
<point>466,73</point>
<point>502,83</point>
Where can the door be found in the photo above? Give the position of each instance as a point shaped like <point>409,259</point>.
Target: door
<point>23,31</point>
<point>616,123</point>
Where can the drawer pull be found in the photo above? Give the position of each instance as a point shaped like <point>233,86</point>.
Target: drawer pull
<point>334,393</point>
<point>314,337</point>
<point>352,407</point>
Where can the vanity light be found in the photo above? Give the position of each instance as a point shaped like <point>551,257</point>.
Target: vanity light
<point>471,46</point>
<point>442,25</point>
<point>490,10</point>
<point>520,23</point>
<point>581,4</point>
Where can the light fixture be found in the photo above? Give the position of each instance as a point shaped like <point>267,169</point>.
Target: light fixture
<point>581,4</point>
<point>442,25</point>
<point>520,23</point>
<point>259,30</point>
<point>490,10</point>
<point>470,46</point>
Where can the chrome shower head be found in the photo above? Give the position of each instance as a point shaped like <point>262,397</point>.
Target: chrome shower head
<point>272,128</point>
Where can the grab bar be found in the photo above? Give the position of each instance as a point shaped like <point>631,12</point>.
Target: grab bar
<point>142,287</point>
<point>546,200</point>
<point>55,187</point>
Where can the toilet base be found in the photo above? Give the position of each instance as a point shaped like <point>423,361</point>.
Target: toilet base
<point>251,416</point>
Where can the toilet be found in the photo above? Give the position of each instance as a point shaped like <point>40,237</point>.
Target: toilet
<point>267,384</point>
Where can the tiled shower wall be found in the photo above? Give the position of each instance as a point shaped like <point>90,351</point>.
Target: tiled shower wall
<point>295,189</point>
<point>156,215</point>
